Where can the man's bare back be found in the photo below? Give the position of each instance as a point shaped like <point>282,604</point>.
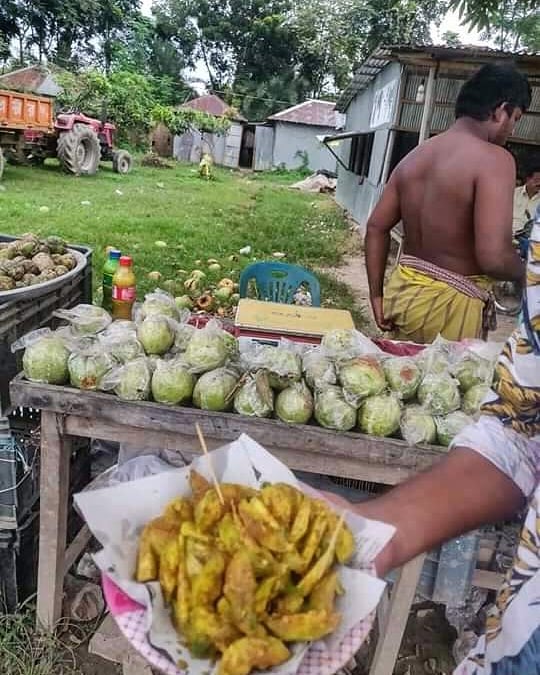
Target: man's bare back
<point>436,184</point>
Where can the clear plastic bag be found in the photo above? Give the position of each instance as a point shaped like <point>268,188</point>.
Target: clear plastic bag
<point>439,393</point>
<point>294,404</point>
<point>209,348</point>
<point>473,369</point>
<point>184,331</point>
<point>158,303</point>
<point>156,333</point>
<point>449,426</point>
<point>361,378</point>
<point>131,381</point>
<point>282,363</point>
<point>85,319</point>
<point>380,415</point>
<point>172,382</point>
<point>332,411</point>
<point>121,342</point>
<point>255,397</point>
<point>46,356</point>
<point>474,397</point>
<point>403,376</point>
<point>417,426</point>
<point>319,370</point>
<point>88,366</point>
<point>344,344</point>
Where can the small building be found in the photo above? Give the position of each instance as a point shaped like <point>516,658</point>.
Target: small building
<point>290,138</point>
<point>32,79</point>
<point>403,95</point>
<point>225,149</point>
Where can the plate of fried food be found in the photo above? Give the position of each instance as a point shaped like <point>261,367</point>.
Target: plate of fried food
<point>231,566</point>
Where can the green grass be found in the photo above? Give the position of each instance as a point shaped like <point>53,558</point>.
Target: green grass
<point>198,220</point>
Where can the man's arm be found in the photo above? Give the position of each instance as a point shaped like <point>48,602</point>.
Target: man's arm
<point>493,216</point>
<point>385,216</point>
<point>461,493</point>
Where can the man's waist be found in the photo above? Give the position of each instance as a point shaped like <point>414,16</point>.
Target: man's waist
<point>474,286</point>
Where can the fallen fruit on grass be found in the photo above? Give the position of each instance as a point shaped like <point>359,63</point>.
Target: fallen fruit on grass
<point>226,283</point>
<point>223,294</point>
<point>205,301</point>
<point>160,244</point>
<point>198,274</point>
<point>184,302</point>
<point>214,267</point>
<point>155,275</point>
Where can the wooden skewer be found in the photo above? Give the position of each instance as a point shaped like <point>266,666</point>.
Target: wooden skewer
<point>210,464</point>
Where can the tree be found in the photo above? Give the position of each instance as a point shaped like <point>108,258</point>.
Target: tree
<point>451,39</point>
<point>512,24</point>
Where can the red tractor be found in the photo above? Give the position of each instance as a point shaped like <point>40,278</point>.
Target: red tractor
<point>28,135</point>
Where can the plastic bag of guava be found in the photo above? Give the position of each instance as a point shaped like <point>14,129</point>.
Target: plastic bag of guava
<point>184,331</point>
<point>172,382</point>
<point>380,415</point>
<point>319,370</point>
<point>473,398</point>
<point>46,355</point>
<point>88,365</point>
<point>343,344</point>
<point>439,393</point>
<point>209,348</point>
<point>255,397</point>
<point>360,378</point>
<point>131,381</point>
<point>156,333</point>
<point>158,303</point>
<point>85,319</point>
<point>472,369</point>
<point>121,342</point>
<point>282,363</point>
<point>332,410</point>
<point>294,404</point>
<point>449,426</point>
<point>403,376</point>
<point>417,426</point>
<point>215,389</point>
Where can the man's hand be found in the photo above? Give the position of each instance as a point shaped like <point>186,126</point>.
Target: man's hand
<point>378,313</point>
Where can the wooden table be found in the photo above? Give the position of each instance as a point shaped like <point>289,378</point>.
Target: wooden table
<point>67,413</point>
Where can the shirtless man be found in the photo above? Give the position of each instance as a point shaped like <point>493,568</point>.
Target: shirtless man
<point>454,195</point>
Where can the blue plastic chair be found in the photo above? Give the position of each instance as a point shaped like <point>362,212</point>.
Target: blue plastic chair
<point>278,282</point>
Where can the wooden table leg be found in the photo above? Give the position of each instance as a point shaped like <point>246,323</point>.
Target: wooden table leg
<point>391,632</point>
<point>54,496</point>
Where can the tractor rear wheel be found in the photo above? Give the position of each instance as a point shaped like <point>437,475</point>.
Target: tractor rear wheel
<point>2,163</point>
<point>122,161</point>
<point>79,151</point>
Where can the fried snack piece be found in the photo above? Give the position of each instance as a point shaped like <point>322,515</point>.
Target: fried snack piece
<point>189,530</point>
<point>345,545</point>
<point>147,560</point>
<point>199,485</point>
<point>248,653</point>
<point>207,627</point>
<point>208,511</point>
<point>319,569</point>
<point>232,536</point>
<point>179,511</point>
<point>282,500</point>
<point>267,590</point>
<point>290,603</point>
<point>301,521</point>
<point>197,555</point>
<point>168,568</point>
<point>304,627</point>
<point>324,593</point>
<point>319,524</point>
<point>262,526</point>
<point>207,585</point>
<point>239,589</point>
<point>183,590</point>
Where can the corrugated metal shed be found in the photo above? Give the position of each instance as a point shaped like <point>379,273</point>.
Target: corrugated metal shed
<point>312,112</point>
<point>213,105</point>
<point>428,55</point>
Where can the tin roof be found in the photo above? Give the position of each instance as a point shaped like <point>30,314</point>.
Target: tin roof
<point>468,54</point>
<point>312,112</point>
<point>213,105</point>
<point>36,79</point>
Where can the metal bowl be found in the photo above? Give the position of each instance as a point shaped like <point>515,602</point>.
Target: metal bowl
<point>30,292</point>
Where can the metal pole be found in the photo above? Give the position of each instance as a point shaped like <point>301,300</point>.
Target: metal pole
<point>428,105</point>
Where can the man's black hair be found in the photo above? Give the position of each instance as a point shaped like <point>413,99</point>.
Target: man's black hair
<point>491,86</point>
<point>531,167</point>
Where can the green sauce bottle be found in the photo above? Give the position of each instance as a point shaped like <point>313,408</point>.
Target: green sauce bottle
<point>109,269</point>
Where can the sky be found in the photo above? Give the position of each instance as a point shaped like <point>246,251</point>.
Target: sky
<point>450,23</point>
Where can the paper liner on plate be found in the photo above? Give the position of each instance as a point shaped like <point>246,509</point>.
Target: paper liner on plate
<point>117,515</point>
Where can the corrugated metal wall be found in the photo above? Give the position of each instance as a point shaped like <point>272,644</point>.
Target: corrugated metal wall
<point>446,92</point>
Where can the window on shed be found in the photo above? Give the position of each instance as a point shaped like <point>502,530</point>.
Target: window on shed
<point>360,157</point>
